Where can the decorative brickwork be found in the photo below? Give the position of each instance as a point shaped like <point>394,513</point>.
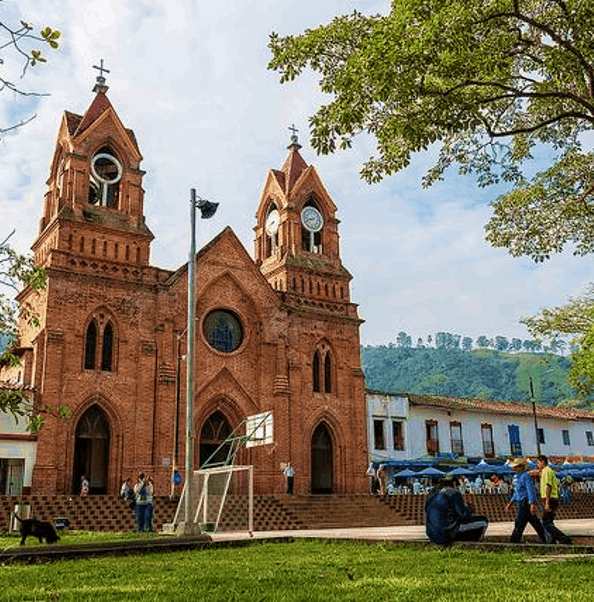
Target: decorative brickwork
<point>111,341</point>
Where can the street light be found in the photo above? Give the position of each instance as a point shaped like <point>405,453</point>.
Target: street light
<point>534,415</point>
<point>207,210</point>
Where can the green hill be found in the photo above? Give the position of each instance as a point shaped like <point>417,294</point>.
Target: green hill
<point>483,373</point>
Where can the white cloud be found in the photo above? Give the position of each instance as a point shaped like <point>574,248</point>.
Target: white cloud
<point>190,79</point>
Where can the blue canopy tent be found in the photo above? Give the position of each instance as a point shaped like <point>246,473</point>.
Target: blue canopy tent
<point>406,473</point>
<point>431,472</point>
<point>458,471</point>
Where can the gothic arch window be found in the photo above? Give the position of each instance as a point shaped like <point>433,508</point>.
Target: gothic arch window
<point>327,373</point>
<point>214,432</point>
<point>322,370</point>
<point>316,372</point>
<point>70,242</point>
<point>104,182</point>
<point>311,226</point>
<point>271,230</point>
<point>91,346</point>
<point>82,244</point>
<point>107,348</point>
<point>100,344</point>
<point>104,248</point>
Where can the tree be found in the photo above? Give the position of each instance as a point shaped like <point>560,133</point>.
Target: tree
<point>466,344</point>
<point>488,80</point>
<point>482,341</point>
<point>18,271</point>
<point>501,343</point>
<point>21,44</point>
<point>516,345</point>
<point>403,339</point>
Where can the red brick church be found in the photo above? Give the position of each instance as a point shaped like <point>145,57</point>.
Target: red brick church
<point>278,333</point>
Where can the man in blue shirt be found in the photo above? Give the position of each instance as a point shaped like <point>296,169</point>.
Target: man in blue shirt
<point>448,518</point>
<point>526,502</point>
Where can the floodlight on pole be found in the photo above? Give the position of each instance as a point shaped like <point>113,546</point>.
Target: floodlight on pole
<point>207,210</point>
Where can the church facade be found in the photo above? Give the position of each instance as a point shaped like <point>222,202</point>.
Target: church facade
<point>275,333</point>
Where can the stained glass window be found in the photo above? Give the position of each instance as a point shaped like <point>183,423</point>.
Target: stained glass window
<point>223,330</point>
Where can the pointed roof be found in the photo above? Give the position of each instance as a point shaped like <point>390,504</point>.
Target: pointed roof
<point>292,168</point>
<point>99,105</point>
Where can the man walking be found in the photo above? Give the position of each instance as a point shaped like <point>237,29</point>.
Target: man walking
<point>448,518</point>
<point>526,503</point>
<point>549,493</point>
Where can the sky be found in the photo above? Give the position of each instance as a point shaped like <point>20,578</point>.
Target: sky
<point>191,79</point>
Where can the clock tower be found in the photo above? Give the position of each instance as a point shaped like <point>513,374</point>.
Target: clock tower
<point>319,384</point>
<point>297,242</point>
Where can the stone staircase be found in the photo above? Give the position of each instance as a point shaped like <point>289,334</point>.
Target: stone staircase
<point>271,513</point>
<point>341,511</point>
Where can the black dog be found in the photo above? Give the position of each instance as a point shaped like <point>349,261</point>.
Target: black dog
<point>37,528</point>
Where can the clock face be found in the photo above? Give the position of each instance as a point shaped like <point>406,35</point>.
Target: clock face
<point>272,222</point>
<point>312,219</point>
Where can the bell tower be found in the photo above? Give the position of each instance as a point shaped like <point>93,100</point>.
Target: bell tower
<point>297,242</point>
<point>94,203</point>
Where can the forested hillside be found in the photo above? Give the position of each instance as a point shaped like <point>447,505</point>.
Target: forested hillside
<point>483,373</point>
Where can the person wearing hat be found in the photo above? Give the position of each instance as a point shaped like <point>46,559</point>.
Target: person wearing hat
<point>448,518</point>
<point>526,503</point>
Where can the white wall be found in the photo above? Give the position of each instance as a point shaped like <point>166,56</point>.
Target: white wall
<point>390,407</point>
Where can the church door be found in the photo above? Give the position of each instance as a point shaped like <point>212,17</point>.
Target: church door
<point>91,451</point>
<point>214,432</point>
<point>322,469</point>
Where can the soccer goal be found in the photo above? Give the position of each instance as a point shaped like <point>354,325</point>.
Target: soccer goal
<point>223,499</point>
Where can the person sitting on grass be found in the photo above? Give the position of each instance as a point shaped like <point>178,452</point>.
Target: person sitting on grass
<point>448,518</point>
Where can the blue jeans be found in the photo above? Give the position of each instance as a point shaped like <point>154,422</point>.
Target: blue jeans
<point>143,514</point>
<point>523,517</point>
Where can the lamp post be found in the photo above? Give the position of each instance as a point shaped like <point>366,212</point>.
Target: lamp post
<point>207,210</point>
<point>534,415</point>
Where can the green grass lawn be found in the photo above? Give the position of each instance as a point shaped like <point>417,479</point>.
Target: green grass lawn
<point>303,571</point>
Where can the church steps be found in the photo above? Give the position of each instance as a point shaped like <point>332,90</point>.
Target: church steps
<point>272,513</point>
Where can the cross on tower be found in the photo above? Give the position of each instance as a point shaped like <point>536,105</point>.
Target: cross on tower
<point>294,139</point>
<point>100,85</point>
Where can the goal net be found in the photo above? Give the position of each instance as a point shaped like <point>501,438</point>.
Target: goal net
<point>223,499</point>
<point>223,494</point>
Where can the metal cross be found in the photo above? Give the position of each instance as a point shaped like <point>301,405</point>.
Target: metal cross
<point>101,69</point>
<point>293,129</point>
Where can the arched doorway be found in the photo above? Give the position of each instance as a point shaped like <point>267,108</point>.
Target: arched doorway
<point>322,467</point>
<point>214,432</point>
<point>91,450</point>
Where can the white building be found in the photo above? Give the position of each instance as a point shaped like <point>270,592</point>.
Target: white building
<point>407,426</point>
<point>17,446</point>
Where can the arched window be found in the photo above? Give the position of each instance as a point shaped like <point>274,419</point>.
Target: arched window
<point>312,222</point>
<point>107,348</point>
<point>327,374</point>
<point>91,346</point>
<point>214,433</point>
<point>271,228</point>
<point>100,345</point>
<point>316,372</point>
<point>104,183</point>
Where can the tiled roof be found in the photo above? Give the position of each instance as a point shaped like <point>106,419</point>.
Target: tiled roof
<point>293,167</point>
<point>8,385</point>
<point>72,121</point>
<point>280,178</point>
<point>99,105</point>
<point>499,407</point>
